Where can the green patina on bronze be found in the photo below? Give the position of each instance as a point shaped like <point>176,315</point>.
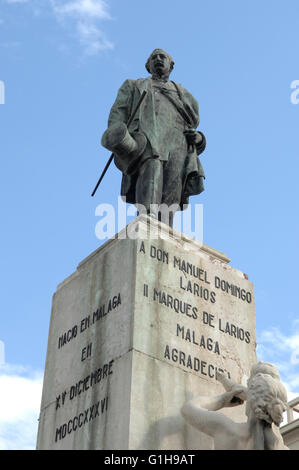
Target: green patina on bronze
<point>167,169</point>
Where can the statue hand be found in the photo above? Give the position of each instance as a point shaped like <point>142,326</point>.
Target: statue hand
<point>189,396</point>
<point>230,385</point>
<point>193,137</point>
<point>224,380</point>
<point>234,397</point>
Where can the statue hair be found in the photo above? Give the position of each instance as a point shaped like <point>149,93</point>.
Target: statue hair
<point>264,393</point>
<point>265,368</point>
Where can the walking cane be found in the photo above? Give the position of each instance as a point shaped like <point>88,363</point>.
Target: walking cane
<point>112,155</point>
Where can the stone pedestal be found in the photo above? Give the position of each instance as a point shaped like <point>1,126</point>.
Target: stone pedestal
<point>142,324</point>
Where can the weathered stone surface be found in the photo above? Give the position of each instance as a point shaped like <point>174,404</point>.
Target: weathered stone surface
<point>158,316</point>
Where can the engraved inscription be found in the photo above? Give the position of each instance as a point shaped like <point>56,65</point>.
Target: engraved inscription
<point>81,419</point>
<point>195,282</point>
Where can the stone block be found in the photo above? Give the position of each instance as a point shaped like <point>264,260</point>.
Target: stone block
<point>143,323</point>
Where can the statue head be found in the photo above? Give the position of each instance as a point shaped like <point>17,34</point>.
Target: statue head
<point>266,396</point>
<point>265,368</point>
<point>159,63</point>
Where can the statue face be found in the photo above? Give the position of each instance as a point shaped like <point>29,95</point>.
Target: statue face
<point>277,410</point>
<point>160,63</point>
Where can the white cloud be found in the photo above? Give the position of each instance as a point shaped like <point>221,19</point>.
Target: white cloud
<point>81,17</point>
<point>283,351</point>
<point>92,38</point>
<point>85,15</point>
<point>94,9</point>
<point>20,398</point>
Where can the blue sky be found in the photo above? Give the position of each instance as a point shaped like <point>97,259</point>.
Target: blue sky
<point>62,62</point>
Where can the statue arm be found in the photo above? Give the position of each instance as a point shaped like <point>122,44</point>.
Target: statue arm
<point>273,438</point>
<point>201,145</point>
<point>202,412</point>
<point>230,385</point>
<point>121,109</point>
<point>198,138</point>
<point>192,105</point>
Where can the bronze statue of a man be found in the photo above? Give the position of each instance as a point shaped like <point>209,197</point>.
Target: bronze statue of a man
<point>158,152</point>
